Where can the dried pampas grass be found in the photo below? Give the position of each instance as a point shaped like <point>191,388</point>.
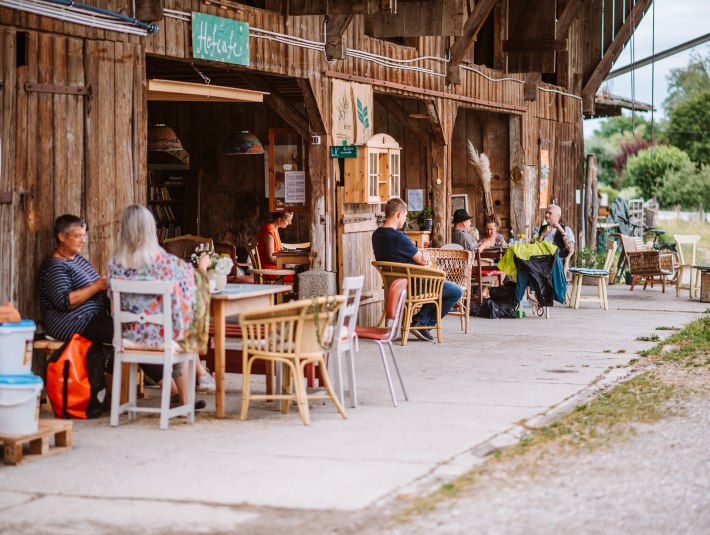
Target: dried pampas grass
<point>482,166</point>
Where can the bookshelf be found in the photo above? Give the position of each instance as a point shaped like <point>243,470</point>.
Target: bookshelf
<point>173,199</point>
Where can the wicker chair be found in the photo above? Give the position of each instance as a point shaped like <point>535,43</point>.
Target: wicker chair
<point>458,265</point>
<point>266,276</point>
<point>292,335</point>
<point>647,264</point>
<point>424,285</point>
<point>183,246</point>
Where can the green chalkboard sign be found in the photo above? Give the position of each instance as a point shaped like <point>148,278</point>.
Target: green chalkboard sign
<point>220,39</point>
<point>343,151</point>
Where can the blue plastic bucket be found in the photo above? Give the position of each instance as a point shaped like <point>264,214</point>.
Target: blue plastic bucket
<point>19,407</point>
<point>16,347</point>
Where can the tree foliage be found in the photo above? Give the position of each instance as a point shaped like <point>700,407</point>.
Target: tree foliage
<point>647,169</point>
<point>690,127</point>
<point>686,82</point>
<point>687,187</point>
<point>605,159</point>
<point>625,126</point>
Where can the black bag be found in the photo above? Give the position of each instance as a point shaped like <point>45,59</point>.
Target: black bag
<point>505,295</point>
<point>491,309</point>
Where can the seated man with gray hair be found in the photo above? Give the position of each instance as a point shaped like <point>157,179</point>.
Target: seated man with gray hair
<point>555,232</point>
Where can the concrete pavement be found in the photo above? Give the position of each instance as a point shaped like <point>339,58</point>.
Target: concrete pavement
<point>214,476</point>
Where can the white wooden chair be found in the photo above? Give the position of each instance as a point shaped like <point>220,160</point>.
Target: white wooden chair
<point>166,357</point>
<point>684,266</point>
<point>600,275</point>
<point>345,344</point>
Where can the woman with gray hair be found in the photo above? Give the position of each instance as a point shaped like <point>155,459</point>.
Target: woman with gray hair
<point>140,257</point>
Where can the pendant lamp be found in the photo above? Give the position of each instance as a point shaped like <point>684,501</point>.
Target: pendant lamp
<point>163,138</point>
<point>243,143</point>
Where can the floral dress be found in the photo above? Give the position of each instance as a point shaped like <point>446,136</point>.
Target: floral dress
<point>165,267</point>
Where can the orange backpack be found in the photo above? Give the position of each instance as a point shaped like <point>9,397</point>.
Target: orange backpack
<point>76,384</point>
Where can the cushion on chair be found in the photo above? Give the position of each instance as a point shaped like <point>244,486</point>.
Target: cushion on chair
<point>490,271</point>
<point>372,333</point>
<point>589,271</point>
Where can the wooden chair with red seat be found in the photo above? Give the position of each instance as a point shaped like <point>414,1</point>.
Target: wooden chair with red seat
<point>383,336</point>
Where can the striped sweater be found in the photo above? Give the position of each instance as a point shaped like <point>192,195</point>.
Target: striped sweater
<point>59,277</point>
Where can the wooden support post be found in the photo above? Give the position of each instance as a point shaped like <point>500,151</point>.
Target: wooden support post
<point>591,201</point>
<point>569,13</point>
<point>442,113</point>
<point>473,25</point>
<point>279,104</point>
<point>335,43</point>
<point>532,80</point>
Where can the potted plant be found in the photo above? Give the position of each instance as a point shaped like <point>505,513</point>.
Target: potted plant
<point>423,218</point>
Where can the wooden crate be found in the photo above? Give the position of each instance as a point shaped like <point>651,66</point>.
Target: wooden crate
<point>38,443</point>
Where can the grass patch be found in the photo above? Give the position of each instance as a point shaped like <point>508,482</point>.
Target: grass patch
<point>691,346</point>
<point>650,338</point>
<point>665,328</point>
<point>621,351</point>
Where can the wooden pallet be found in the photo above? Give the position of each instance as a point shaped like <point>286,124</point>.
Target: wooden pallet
<point>13,445</point>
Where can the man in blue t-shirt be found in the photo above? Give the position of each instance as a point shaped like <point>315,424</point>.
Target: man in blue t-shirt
<point>391,245</point>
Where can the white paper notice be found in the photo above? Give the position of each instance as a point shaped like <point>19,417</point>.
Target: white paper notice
<point>415,199</point>
<point>295,187</point>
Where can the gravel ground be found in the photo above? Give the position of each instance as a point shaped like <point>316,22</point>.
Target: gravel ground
<point>653,479</point>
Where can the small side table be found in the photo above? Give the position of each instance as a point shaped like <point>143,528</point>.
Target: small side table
<point>704,282</point>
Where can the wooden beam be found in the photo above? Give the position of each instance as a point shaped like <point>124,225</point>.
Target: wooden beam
<point>279,104</point>
<point>335,43</point>
<point>474,102</point>
<point>171,90</point>
<point>149,10</point>
<point>333,7</point>
<point>435,122</point>
<point>470,30</point>
<point>613,51</point>
<point>418,18</point>
<point>567,17</point>
<point>413,125</point>
<point>532,80</point>
<point>534,45</point>
<point>312,111</point>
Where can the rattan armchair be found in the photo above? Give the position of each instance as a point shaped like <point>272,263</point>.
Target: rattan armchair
<point>458,265</point>
<point>292,335</point>
<point>647,264</point>
<point>424,285</point>
<point>268,275</point>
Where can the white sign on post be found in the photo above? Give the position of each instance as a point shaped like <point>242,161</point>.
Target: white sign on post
<point>295,187</point>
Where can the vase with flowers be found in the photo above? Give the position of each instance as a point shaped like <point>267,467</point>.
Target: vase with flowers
<point>220,266</point>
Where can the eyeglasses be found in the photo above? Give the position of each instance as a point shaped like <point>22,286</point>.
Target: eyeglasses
<point>84,236</point>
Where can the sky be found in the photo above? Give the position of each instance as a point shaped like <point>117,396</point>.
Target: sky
<point>676,21</point>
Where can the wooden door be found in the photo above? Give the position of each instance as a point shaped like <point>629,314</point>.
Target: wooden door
<point>356,223</point>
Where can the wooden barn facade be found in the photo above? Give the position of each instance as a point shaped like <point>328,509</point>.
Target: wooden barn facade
<point>514,77</point>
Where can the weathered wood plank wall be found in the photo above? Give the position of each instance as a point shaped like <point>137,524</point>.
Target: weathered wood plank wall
<point>71,153</point>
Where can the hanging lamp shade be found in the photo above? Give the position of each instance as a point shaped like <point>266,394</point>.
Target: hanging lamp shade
<point>163,138</point>
<point>243,143</point>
